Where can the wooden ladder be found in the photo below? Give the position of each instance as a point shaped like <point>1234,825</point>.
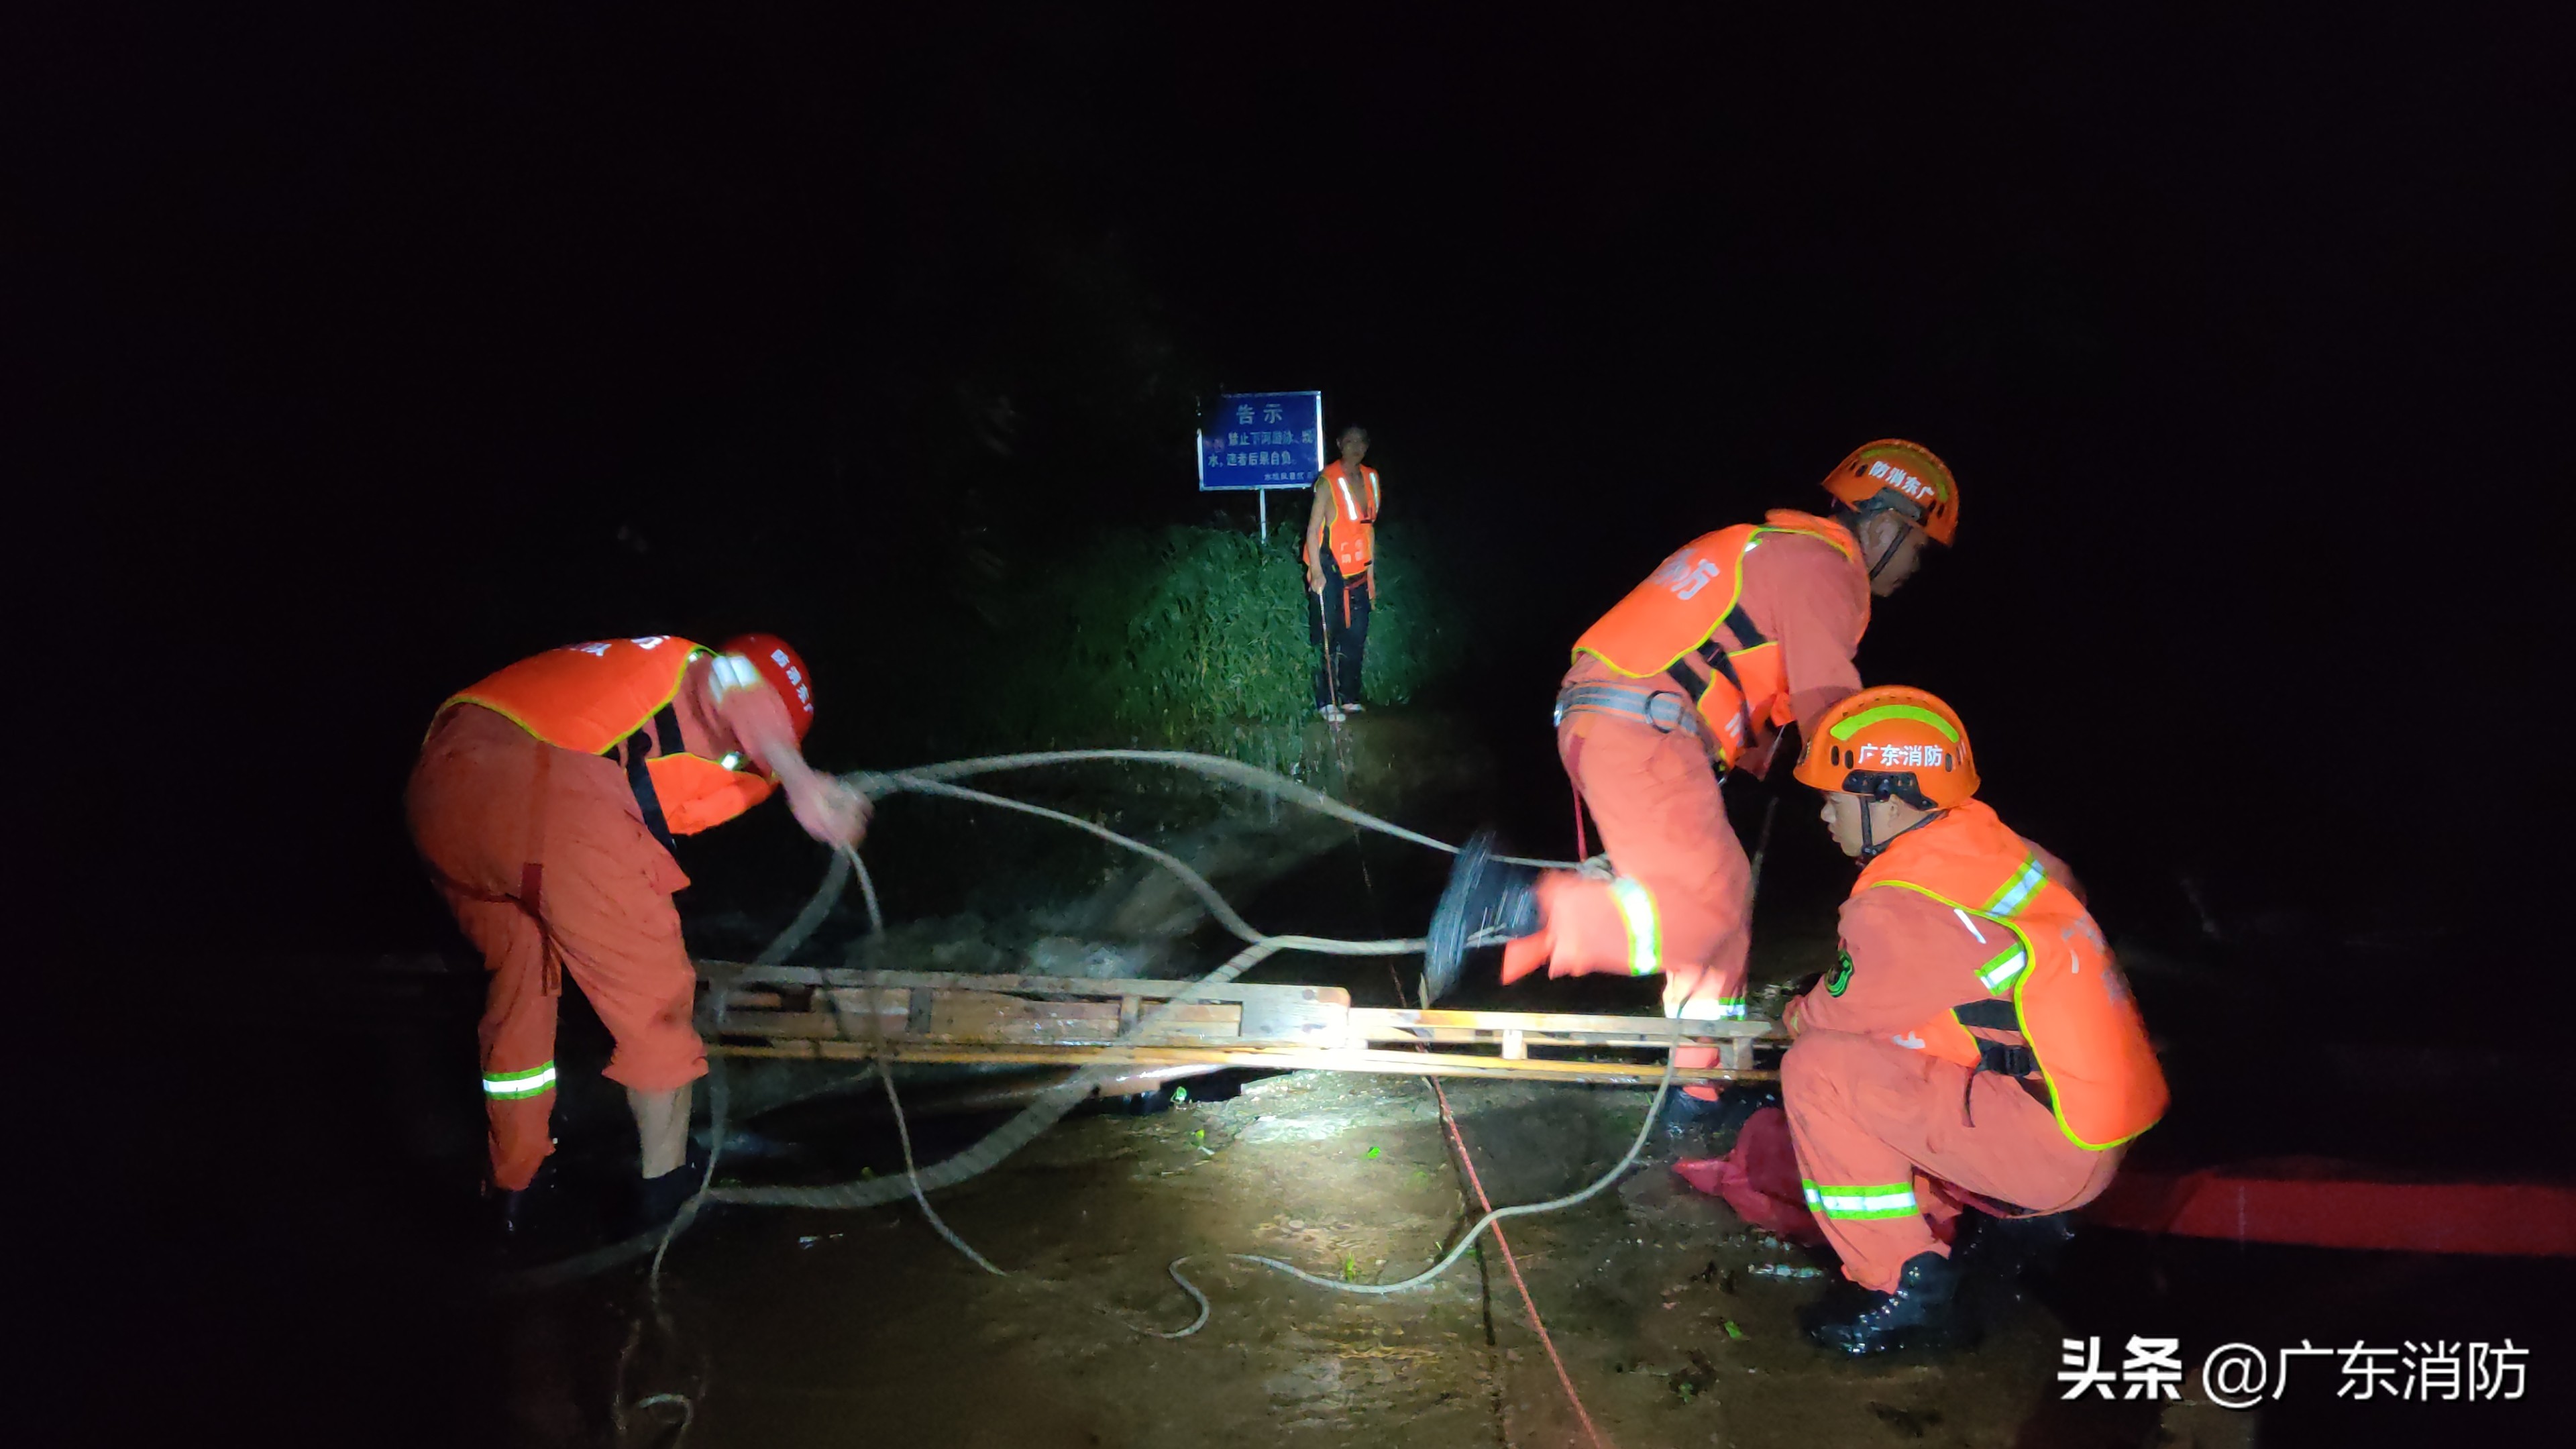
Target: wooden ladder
<point>815,1013</point>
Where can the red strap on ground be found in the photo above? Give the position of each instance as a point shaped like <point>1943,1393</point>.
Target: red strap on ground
<point>1485,1204</point>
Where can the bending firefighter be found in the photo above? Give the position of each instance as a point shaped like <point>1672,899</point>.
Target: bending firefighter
<point>1739,635</point>
<point>1341,574</point>
<point>1974,1045</point>
<point>544,804</point>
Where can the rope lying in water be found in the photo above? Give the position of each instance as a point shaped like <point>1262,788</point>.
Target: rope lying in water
<point>1051,1105</point>
<point>1424,1278</point>
<point>878,784</point>
<point>1054,1103</point>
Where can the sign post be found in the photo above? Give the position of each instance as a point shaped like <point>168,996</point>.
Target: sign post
<point>1261,441</point>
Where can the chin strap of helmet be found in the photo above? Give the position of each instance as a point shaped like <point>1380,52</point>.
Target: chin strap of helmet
<point>1881,789</point>
<point>1901,514</point>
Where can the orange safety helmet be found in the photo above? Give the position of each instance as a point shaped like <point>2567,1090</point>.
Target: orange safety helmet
<point>784,668</point>
<point>1892,742</point>
<point>1903,477</point>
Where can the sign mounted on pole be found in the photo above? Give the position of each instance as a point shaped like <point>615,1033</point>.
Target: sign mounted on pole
<point>1262,440</point>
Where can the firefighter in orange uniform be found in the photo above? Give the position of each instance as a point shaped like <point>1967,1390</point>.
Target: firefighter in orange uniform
<point>1341,574</point>
<point>1740,634</point>
<point>1974,1031</point>
<point>544,803</point>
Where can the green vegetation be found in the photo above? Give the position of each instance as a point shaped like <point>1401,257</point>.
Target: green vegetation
<point>1190,638</point>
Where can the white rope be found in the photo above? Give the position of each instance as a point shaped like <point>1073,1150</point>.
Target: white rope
<point>1052,1104</point>
<point>1424,1278</point>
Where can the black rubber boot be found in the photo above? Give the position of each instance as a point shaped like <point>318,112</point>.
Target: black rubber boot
<point>1921,1313</point>
<point>514,1218</point>
<point>1685,1114</point>
<point>660,1199</point>
<point>1484,894</point>
<point>2003,1249</point>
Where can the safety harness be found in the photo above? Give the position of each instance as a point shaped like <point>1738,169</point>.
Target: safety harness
<point>635,747</point>
<point>1667,711</point>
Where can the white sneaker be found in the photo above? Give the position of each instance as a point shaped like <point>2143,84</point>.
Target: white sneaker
<point>1330,714</point>
<point>1354,707</point>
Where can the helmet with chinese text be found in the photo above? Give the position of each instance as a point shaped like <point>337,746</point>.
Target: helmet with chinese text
<point>1892,742</point>
<point>784,668</point>
<point>1899,477</point>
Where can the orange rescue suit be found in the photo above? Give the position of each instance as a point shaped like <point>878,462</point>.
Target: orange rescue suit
<point>1352,534</point>
<point>589,697</point>
<point>1693,606</point>
<point>2068,1004</point>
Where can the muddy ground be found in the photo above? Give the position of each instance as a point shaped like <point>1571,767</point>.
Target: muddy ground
<point>822,1325</point>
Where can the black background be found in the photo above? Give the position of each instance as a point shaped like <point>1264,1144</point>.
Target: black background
<point>396,348</point>
<point>368,349</point>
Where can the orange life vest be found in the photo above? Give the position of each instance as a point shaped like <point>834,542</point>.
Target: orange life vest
<point>589,697</point>
<point>1694,605</point>
<point>2055,1003</point>
<point>1352,533</point>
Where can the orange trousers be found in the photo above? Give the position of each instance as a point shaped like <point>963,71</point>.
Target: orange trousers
<point>543,857</point>
<point>1663,822</point>
<point>1885,1134</point>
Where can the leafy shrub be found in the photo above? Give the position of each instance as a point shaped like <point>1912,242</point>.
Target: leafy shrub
<point>1188,637</point>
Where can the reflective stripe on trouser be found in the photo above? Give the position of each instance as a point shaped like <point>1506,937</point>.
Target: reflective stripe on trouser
<point>485,802</point>
<point>1862,1200</point>
<point>1868,1115</point>
<point>520,1084</point>
<point>1663,822</point>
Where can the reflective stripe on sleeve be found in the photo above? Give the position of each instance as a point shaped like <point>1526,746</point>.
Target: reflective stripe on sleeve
<point>1645,939</point>
<point>1866,1200</point>
<point>2000,971</point>
<point>2024,884</point>
<point>533,1082</point>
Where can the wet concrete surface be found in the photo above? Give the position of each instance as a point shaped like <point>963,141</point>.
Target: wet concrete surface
<point>796,1328</point>
<point>319,1194</point>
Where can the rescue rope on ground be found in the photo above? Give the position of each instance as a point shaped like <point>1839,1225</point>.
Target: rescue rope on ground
<point>877,784</point>
<point>1043,1113</point>
<point>1468,1240</point>
<point>1512,1261</point>
<point>1051,1105</point>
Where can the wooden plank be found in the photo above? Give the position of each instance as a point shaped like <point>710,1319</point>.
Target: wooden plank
<point>1072,1021</point>
<point>1039,986</point>
<point>981,1016</point>
<point>1440,1064</point>
<point>1378,1023</point>
<point>782,1024</point>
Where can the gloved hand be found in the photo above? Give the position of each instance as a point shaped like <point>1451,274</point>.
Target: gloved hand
<point>830,811</point>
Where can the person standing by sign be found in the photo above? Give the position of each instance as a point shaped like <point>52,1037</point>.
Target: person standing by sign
<point>1341,578</point>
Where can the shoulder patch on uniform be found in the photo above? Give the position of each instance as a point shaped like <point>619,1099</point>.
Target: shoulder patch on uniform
<point>1840,976</point>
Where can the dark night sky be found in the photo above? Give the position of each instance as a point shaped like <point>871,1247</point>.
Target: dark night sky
<point>366,337</point>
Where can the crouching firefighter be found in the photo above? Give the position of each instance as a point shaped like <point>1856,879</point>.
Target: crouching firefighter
<point>1740,634</point>
<point>544,804</point>
<point>1974,1029</point>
